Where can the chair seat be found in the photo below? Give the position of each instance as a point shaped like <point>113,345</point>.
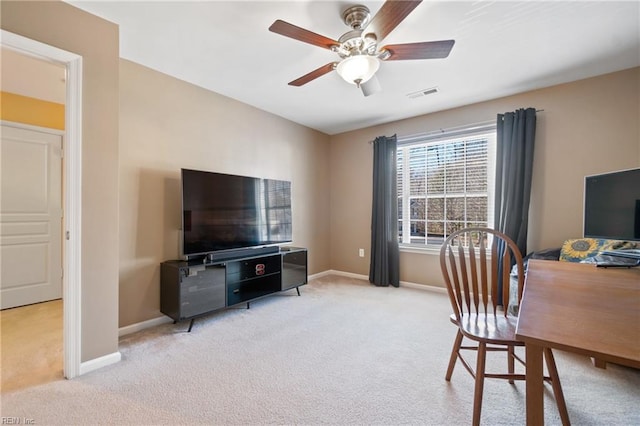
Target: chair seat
<point>498,329</point>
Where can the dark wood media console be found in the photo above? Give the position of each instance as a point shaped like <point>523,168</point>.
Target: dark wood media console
<point>189,289</point>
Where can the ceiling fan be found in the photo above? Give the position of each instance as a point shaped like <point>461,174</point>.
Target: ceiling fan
<point>358,48</point>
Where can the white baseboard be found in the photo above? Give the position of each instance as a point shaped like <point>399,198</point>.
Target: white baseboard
<point>318,275</point>
<point>426,287</point>
<point>139,326</point>
<point>408,284</point>
<point>346,274</point>
<point>103,361</point>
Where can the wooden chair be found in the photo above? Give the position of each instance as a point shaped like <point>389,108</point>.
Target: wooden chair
<point>471,277</point>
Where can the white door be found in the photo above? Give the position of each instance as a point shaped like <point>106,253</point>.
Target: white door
<point>30,216</point>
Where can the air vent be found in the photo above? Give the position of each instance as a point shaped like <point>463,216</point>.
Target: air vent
<point>423,92</point>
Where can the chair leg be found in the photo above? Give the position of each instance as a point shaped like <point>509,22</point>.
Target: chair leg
<point>477,397</point>
<point>454,355</point>
<point>556,386</point>
<point>511,362</point>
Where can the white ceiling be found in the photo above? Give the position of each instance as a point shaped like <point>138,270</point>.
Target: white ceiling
<point>502,48</point>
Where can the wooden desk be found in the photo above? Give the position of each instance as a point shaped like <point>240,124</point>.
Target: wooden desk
<point>578,308</point>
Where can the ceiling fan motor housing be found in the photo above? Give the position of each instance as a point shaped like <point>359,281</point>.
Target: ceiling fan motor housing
<point>352,42</point>
<point>356,16</point>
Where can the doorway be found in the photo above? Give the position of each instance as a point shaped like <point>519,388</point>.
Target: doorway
<point>31,249</point>
<point>72,199</point>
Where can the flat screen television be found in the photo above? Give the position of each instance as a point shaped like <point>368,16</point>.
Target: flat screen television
<point>612,205</point>
<point>223,212</point>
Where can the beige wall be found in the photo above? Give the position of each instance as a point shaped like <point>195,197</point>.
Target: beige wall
<point>587,127</point>
<point>167,124</point>
<point>96,40</point>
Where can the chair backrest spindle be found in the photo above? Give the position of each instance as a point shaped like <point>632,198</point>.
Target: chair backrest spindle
<point>483,271</point>
<point>453,283</point>
<point>506,268</point>
<point>474,274</point>
<point>464,272</point>
<point>494,274</point>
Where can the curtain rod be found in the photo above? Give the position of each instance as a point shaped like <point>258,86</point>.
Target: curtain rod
<point>467,127</point>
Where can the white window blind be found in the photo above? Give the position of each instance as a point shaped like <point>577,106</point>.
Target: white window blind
<point>445,183</point>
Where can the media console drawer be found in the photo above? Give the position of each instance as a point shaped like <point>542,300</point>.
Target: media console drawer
<point>202,291</point>
<point>188,291</point>
<point>294,269</point>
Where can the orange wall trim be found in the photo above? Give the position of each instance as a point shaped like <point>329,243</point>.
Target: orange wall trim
<point>23,109</point>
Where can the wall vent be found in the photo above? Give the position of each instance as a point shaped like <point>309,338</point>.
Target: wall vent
<point>423,92</point>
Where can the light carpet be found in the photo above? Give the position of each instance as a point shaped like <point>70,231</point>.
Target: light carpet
<point>344,352</point>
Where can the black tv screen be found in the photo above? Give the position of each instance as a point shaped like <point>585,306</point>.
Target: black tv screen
<point>225,212</point>
<point>612,205</point>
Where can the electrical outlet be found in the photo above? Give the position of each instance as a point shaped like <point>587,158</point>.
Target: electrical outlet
<point>361,252</point>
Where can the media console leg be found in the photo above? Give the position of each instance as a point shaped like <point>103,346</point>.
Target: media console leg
<point>190,325</point>
<point>298,290</point>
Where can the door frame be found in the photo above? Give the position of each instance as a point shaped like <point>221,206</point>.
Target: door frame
<point>72,191</point>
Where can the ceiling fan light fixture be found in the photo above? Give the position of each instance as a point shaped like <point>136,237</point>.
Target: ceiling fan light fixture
<point>358,69</point>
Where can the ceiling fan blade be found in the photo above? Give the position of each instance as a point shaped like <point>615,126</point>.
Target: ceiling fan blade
<point>389,16</point>
<point>313,74</point>
<point>423,50</point>
<point>289,30</point>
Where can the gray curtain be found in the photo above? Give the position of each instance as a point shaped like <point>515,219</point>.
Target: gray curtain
<point>515,133</point>
<point>385,253</point>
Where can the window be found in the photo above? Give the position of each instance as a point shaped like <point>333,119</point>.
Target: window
<point>445,183</point>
